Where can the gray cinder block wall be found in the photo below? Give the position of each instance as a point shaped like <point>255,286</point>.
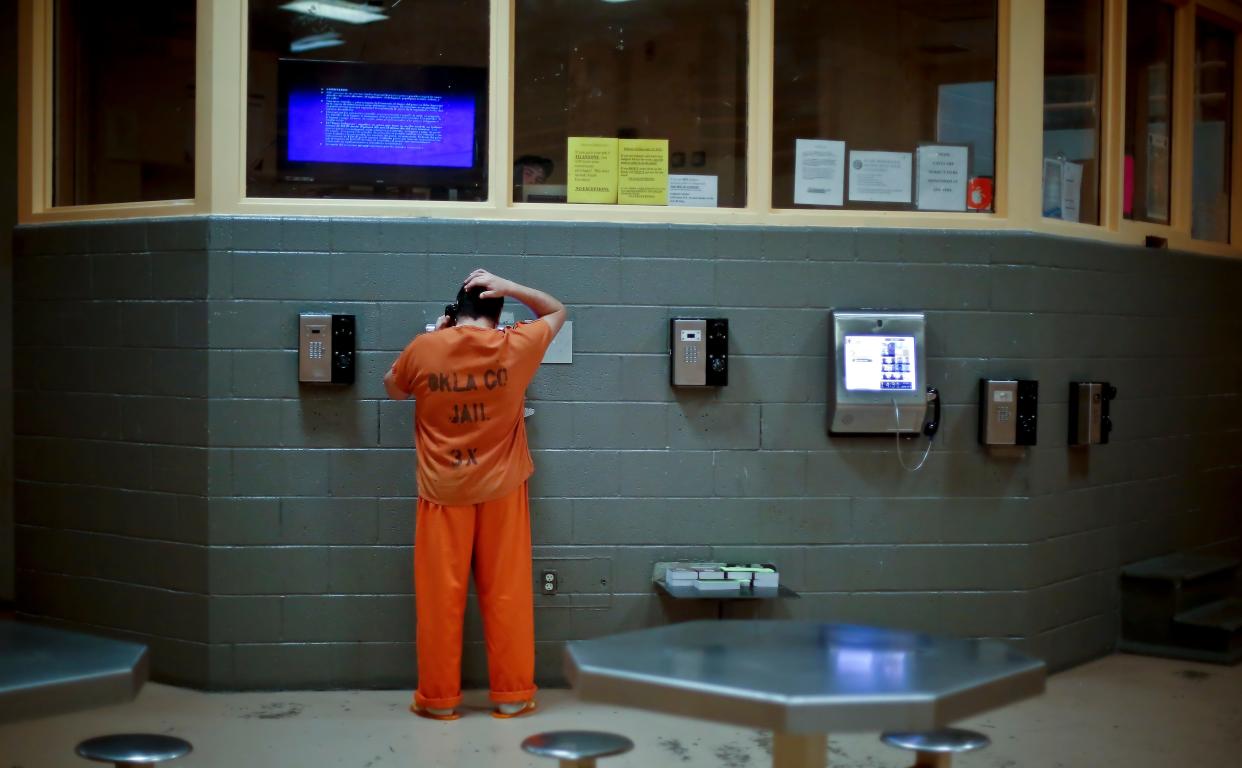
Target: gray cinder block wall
<point>176,484</point>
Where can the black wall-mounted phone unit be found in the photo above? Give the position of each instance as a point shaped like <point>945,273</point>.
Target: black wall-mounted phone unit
<point>698,351</point>
<point>1089,422</point>
<point>1008,411</point>
<point>326,349</point>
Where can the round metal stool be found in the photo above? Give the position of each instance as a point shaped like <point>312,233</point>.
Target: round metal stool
<point>577,749</point>
<point>935,749</point>
<point>131,749</point>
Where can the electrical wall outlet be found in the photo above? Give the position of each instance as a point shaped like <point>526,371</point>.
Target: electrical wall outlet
<point>550,583</point>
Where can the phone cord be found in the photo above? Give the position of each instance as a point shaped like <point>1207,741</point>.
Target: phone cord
<point>897,435</point>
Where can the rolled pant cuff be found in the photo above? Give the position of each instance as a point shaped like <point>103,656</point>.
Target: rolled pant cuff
<point>509,697</point>
<point>448,702</point>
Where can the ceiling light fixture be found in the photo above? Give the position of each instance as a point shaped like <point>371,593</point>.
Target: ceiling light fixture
<point>336,10</point>
<point>314,42</point>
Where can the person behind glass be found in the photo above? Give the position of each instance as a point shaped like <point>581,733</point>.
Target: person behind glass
<point>528,170</point>
<point>469,379</point>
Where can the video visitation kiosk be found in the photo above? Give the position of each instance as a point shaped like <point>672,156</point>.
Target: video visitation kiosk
<point>879,374</point>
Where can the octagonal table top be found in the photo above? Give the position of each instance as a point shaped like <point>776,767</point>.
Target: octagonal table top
<point>46,671</point>
<point>803,677</point>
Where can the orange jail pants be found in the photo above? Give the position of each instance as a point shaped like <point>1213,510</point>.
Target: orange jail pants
<point>497,534</point>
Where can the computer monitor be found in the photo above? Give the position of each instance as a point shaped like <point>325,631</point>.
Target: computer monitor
<point>355,123</point>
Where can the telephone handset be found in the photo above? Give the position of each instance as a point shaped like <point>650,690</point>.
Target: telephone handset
<point>450,311</point>
<point>932,424</point>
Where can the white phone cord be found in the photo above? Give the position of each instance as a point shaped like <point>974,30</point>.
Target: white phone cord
<point>897,435</point>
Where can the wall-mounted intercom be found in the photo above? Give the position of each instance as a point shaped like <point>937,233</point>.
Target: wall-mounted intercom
<point>879,374</point>
<point>699,351</point>
<point>326,348</point>
<point>1089,422</point>
<point>1008,411</point>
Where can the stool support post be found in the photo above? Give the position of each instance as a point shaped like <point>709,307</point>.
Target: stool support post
<point>933,760</point>
<point>799,750</point>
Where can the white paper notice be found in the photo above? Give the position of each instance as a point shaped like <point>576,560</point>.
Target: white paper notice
<point>692,191</point>
<point>1052,188</point>
<point>880,177</point>
<point>819,172</point>
<point>1071,191</point>
<point>943,173</point>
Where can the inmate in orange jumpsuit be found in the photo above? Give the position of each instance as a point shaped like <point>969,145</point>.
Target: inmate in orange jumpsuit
<point>473,464</point>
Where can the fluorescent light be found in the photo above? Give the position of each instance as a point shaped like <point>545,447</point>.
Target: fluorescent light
<point>335,10</point>
<point>313,42</point>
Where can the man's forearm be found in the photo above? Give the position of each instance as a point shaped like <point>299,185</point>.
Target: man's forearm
<point>540,303</point>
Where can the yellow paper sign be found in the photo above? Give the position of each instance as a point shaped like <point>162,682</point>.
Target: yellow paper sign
<point>642,172</point>
<point>592,170</point>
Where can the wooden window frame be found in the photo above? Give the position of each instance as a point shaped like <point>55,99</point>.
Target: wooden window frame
<point>221,73</point>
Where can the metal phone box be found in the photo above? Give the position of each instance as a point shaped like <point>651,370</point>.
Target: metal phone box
<point>878,374</point>
<point>1008,411</point>
<point>326,348</point>
<point>1089,420</point>
<point>698,352</point>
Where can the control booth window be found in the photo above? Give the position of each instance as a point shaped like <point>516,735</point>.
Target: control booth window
<point>1073,42</point>
<point>123,128</point>
<point>885,105</point>
<point>374,101</point>
<point>630,102</point>
<point>1149,108</point>
<point>1213,136</point>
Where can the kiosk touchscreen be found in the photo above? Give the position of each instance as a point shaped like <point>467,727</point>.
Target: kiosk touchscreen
<point>880,363</point>
<point>878,372</point>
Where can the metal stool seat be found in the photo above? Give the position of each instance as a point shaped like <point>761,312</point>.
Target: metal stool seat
<point>130,749</point>
<point>577,749</point>
<point>935,749</point>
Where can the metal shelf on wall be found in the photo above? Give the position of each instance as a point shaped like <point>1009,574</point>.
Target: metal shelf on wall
<point>678,592</point>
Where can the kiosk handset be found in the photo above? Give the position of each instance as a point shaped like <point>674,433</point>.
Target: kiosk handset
<point>932,424</point>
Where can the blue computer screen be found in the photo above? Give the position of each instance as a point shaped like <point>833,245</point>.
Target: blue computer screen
<point>346,125</point>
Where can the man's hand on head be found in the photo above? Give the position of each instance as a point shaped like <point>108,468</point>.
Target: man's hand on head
<point>493,287</point>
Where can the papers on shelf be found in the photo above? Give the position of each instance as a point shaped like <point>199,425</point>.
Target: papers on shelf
<point>718,585</point>
<point>731,575</point>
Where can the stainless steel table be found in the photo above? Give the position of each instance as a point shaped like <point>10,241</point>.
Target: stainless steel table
<point>802,680</point>
<point>46,671</point>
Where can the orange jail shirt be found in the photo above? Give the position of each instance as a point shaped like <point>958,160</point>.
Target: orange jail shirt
<point>470,387</point>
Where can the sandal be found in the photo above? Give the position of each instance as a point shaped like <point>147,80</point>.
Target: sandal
<point>526,709</point>
<point>454,715</point>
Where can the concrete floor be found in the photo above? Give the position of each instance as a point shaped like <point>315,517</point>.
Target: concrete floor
<point>1119,711</point>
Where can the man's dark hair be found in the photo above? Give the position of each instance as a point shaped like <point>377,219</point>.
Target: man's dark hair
<point>543,163</point>
<point>470,305</point>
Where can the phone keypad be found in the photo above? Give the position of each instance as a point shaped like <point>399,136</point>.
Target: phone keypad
<point>692,353</point>
<point>315,350</point>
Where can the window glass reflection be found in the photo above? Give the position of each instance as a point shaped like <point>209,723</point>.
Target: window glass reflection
<point>1149,99</point>
<point>662,84</point>
<point>1213,137</point>
<point>124,102</point>
<point>350,100</point>
<point>884,105</point>
<point>1073,32</point>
